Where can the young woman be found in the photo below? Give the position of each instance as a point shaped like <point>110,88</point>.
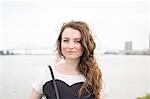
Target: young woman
<point>79,76</point>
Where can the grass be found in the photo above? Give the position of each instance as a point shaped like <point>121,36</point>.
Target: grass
<point>147,96</point>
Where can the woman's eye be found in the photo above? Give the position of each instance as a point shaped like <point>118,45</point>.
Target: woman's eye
<point>78,41</point>
<point>65,40</point>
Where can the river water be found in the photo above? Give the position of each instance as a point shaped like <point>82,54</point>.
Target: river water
<point>127,76</point>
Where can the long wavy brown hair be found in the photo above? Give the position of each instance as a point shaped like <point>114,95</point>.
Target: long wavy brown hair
<point>87,65</point>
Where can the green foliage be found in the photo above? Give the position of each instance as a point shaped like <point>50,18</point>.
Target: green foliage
<point>147,96</point>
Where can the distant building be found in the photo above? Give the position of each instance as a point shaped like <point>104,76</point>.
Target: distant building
<point>128,46</point>
<point>149,41</point>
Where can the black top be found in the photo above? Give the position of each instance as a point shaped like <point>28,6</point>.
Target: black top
<point>66,91</point>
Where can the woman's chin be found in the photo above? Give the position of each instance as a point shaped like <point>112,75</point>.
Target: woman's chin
<point>72,57</point>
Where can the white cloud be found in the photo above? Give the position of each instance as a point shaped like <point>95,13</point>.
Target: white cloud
<point>38,23</point>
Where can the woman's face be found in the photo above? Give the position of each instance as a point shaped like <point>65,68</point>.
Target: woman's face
<point>71,44</point>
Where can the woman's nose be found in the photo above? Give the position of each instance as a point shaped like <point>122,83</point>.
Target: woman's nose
<point>71,45</point>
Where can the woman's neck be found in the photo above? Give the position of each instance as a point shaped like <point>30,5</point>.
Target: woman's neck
<point>71,64</point>
<point>68,67</point>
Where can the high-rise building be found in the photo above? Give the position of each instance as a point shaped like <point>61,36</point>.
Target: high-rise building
<point>128,46</point>
<point>149,41</point>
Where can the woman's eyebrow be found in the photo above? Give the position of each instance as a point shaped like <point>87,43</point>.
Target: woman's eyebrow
<point>77,38</point>
<point>65,38</point>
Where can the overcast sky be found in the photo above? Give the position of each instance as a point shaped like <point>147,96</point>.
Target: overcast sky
<point>37,23</point>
